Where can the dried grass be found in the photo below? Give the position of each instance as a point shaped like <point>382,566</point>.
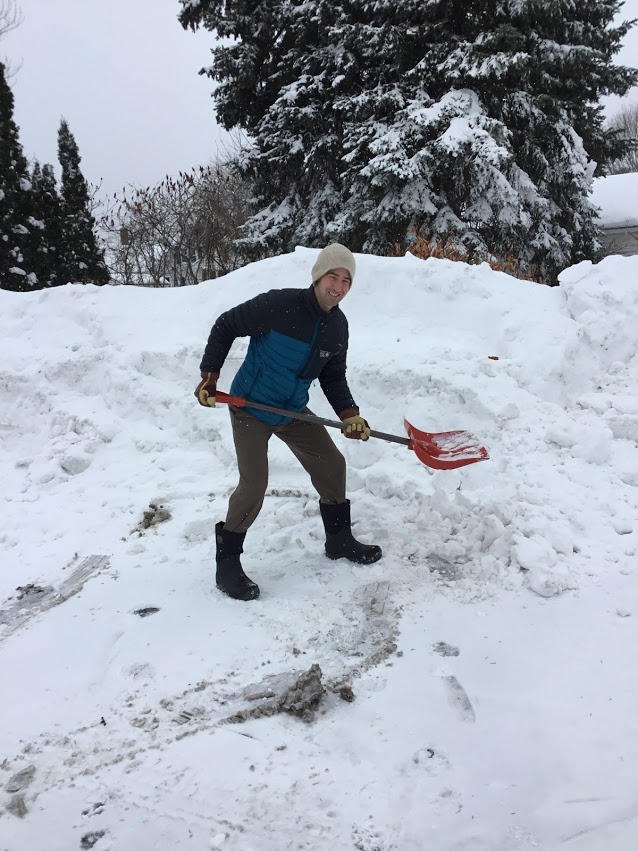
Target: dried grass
<point>423,249</point>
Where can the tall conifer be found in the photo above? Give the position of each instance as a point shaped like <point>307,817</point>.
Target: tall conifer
<point>17,229</point>
<point>475,123</point>
<point>49,222</point>
<point>81,260</point>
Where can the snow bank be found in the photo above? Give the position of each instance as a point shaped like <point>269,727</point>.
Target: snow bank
<point>96,393</point>
<point>113,478</point>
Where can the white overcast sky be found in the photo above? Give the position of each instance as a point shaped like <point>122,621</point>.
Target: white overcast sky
<point>124,75</point>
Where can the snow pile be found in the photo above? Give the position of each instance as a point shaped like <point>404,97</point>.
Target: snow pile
<point>114,478</point>
<point>616,195</point>
<point>603,300</point>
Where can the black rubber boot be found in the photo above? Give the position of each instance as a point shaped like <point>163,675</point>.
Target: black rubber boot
<point>230,577</point>
<point>339,540</point>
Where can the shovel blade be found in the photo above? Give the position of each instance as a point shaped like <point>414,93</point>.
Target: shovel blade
<point>445,450</point>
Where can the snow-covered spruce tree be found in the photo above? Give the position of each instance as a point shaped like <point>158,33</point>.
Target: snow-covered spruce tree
<point>499,133</point>
<point>18,231</point>
<point>475,123</point>
<point>275,82</point>
<point>48,216</point>
<point>81,259</point>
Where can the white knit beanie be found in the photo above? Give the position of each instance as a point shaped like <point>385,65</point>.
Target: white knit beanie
<point>335,256</point>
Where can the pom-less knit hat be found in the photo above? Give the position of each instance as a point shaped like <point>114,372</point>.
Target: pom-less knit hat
<point>335,256</point>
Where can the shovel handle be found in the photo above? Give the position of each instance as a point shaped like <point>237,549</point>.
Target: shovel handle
<point>240,402</point>
<point>440,451</point>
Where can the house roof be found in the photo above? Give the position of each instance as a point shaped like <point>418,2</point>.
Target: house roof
<point>617,197</point>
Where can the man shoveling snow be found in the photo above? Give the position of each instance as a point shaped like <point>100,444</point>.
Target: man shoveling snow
<point>297,336</point>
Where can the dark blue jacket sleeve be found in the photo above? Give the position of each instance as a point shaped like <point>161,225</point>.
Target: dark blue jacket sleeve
<point>249,319</point>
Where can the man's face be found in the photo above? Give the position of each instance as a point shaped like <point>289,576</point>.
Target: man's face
<point>332,288</point>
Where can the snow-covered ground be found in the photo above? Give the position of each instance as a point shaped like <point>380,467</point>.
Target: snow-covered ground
<point>495,701</point>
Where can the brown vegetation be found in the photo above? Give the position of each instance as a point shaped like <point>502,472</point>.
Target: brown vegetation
<point>424,248</point>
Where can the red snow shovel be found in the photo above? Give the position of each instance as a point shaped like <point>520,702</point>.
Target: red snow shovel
<point>444,450</point>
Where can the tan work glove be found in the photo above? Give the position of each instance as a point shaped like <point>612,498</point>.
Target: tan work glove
<point>357,427</point>
<point>206,389</point>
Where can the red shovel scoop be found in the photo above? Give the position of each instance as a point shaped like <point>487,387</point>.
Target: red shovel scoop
<point>444,450</point>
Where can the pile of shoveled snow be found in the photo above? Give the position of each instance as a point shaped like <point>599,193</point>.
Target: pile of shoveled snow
<point>98,416</point>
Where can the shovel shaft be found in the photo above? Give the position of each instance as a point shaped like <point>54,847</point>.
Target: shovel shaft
<point>445,450</point>
<point>239,402</point>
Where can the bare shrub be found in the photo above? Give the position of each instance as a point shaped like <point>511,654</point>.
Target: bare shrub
<point>625,123</point>
<point>10,19</point>
<point>182,231</point>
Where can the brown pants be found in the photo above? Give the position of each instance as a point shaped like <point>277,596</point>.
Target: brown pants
<point>310,443</point>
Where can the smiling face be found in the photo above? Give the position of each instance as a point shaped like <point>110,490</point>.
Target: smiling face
<point>332,288</point>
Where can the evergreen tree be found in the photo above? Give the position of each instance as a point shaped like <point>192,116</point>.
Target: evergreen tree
<point>49,218</point>
<point>18,230</point>
<point>81,260</point>
<point>477,123</point>
<point>271,85</point>
<point>500,132</point>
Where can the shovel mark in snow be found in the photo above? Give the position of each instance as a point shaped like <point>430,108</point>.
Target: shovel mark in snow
<point>459,699</point>
<point>371,630</point>
<point>364,638</point>
<point>375,597</point>
<point>371,641</point>
<point>370,638</point>
<point>599,827</point>
<point>443,569</point>
<point>33,599</point>
<point>380,623</point>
